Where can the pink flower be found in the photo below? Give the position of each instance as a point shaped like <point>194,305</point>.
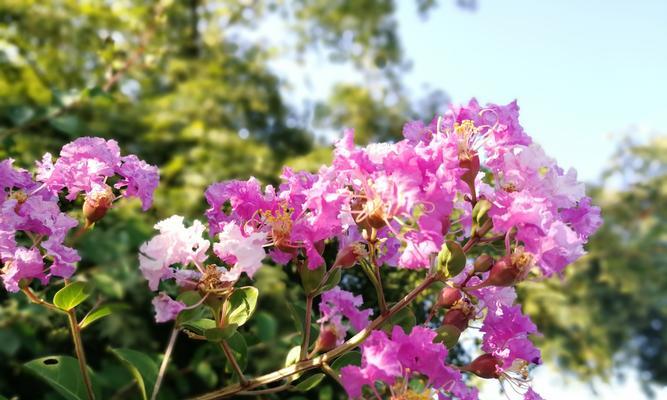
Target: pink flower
<point>139,178</point>
<point>11,177</point>
<point>531,395</point>
<point>245,252</point>
<point>175,244</point>
<point>166,308</point>
<point>506,332</point>
<point>25,264</point>
<point>583,218</point>
<point>379,363</point>
<point>85,161</point>
<point>338,303</point>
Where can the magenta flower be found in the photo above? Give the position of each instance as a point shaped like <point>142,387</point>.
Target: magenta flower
<point>531,395</point>
<point>338,303</point>
<point>166,308</point>
<point>81,163</point>
<point>139,178</point>
<point>506,332</point>
<point>25,264</point>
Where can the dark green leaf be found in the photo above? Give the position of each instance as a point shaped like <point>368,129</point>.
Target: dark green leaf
<point>451,259</point>
<point>62,374</point>
<point>333,281</point>
<point>309,383</point>
<point>143,368</point>
<point>351,358</point>
<point>266,326</point>
<point>405,318</point>
<point>71,295</point>
<point>218,334</point>
<point>199,326</point>
<point>239,349</point>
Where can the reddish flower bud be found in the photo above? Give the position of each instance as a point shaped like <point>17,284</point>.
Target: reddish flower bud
<point>459,315</point>
<point>510,270</point>
<point>484,366</point>
<point>350,254</point>
<point>448,297</point>
<point>98,202</point>
<point>483,263</point>
<point>327,339</point>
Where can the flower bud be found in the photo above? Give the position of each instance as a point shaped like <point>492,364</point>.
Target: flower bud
<point>510,270</point>
<point>327,340</point>
<point>350,254</point>
<point>448,297</point>
<point>459,315</point>
<point>485,366</point>
<point>483,263</point>
<point>98,202</point>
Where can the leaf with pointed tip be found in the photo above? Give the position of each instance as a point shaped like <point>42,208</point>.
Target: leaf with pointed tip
<point>71,295</point>
<point>101,312</point>
<point>309,383</point>
<point>351,358</point>
<point>142,367</point>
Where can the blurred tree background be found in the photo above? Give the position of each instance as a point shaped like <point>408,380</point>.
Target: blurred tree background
<point>188,86</point>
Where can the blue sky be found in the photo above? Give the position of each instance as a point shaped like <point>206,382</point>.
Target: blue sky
<point>585,73</point>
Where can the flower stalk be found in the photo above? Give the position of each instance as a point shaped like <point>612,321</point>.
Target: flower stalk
<point>75,329</point>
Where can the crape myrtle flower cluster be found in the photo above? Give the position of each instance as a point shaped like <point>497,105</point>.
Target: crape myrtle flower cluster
<point>33,227</point>
<point>471,176</point>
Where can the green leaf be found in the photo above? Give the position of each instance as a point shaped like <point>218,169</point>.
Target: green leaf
<point>101,312</point>
<point>448,334</point>
<point>298,313</point>
<point>309,383</point>
<point>191,298</point>
<point>266,326</point>
<point>142,367</point>
<point>351,358</point>
<point>310,278</point>
<point>332,281</point>
<point>405,318</point>
<point>199,326</point>
<point>218,334</point>
<point>480,210</point>
<point>71,295</point>
<point>239,349</point>
<point>240,305</point>
<point>62,374</point>
<point>451,259</point>
<point>292,356</point>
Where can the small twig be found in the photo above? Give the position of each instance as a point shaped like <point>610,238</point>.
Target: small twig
<point>329,371</point>
<point>165,361</point>
<point>265,391</point>
<point>233,362</point>
<point>305,343</point>
<point>80,353</point>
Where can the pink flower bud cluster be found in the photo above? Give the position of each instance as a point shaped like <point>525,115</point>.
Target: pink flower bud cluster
<point>33,228</point>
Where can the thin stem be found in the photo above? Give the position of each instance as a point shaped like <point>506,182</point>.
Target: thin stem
<point>80,354</point>
<point>483,230</point>
<point>234,363</point>
<point>378,280</point>
<point>165,362</point>
<point>305,343</point>
<point>35,299</point>
<point>329,371</point>
<point>265,391</point>
<point>317,362</point>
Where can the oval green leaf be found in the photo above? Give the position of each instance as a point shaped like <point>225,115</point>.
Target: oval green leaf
<point>199,326</point>
<point>143,368</point>
<point>309,383</point>
<point>71,295</point>
<point>332,281</point>
<point>240,305</point>
<point>218,334</point>
<point>62,374</point>
<point>351,358</point>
